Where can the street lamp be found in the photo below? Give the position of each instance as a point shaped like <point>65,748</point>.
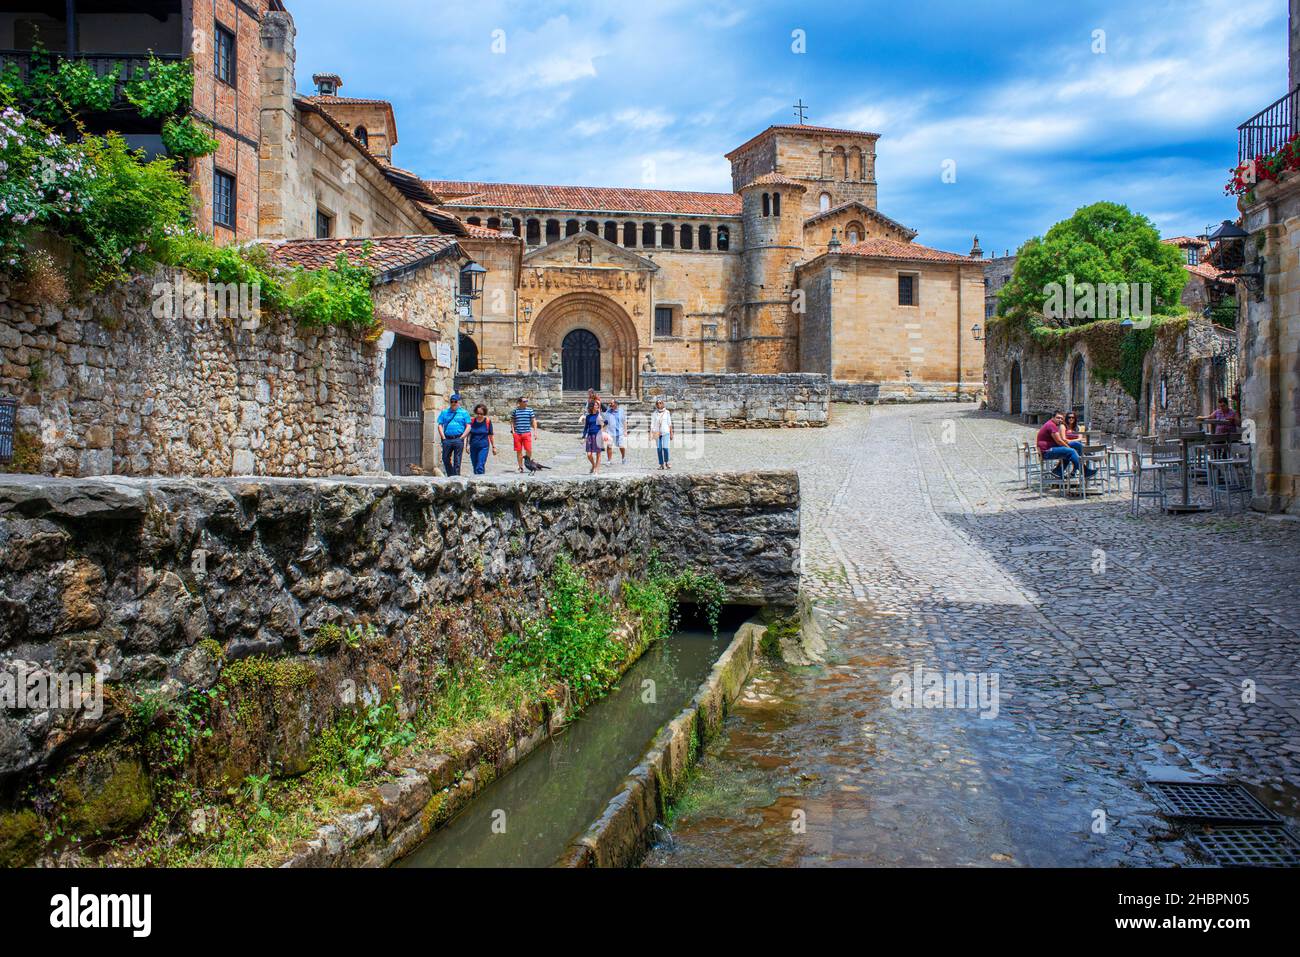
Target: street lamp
<point>977,332</point>
<point>1230,236</point>
<point>471,288</point>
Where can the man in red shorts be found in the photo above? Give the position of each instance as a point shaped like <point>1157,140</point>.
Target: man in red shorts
<point>522,422</point>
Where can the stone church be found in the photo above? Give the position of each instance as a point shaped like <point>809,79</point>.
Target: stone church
<point>796,270</point>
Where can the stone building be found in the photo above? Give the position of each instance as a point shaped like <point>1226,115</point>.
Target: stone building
<point>1269,327</point>
<point>796,260</point>
<point>997,273</point>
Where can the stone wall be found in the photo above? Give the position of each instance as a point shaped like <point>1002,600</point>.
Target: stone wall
<point>107,387</point>
<point>1270,341</point>
<point>155,584</point>
<point>740,401</point>
<point>873,393</point>
<point>501,390</point>
<point>1179,379</point>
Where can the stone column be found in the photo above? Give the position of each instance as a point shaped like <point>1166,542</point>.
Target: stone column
<point>278,152</point>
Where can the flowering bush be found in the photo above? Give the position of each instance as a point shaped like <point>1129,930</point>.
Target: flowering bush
<point>44,181</point>
<point>1264,169</point>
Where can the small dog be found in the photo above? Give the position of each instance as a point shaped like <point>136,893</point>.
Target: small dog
<point>534,466</point>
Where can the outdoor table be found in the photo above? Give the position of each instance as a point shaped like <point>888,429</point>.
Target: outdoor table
<point>1187,440</point>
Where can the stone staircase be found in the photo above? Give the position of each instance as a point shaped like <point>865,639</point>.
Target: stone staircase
<point>566,416</point>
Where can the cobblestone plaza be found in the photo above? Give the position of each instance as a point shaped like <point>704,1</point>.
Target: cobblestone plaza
<point>1125,650</point>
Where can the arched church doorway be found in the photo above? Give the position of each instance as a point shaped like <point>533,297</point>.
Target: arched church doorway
<point>580,353</point>
<point>1017,388</point>
<point>468,361</point>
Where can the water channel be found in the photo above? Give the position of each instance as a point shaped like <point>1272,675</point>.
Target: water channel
<point>529,816</point>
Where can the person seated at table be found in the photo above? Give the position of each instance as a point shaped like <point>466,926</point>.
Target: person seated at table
<point>1053,446</point>
<point>1072,434</point>
<point>1225,418</point>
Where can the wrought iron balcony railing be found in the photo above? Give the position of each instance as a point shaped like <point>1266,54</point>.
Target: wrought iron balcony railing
<point>1270,128</point>
<point>102,63</point>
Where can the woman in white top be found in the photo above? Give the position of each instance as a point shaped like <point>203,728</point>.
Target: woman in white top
<point>661,431</point>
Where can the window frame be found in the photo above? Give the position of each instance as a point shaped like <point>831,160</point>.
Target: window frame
<point>232,205</point>
<point>668,311</point>
<point>913,289</point>
<point>326,217</point>
<point>221,33</point>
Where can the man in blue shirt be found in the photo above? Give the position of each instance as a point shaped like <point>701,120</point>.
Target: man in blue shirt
<point>616,419</point>
<point>522,423</point>
<point>453,424</point>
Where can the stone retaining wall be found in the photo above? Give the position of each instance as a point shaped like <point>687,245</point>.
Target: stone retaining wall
<point>500,390</point>
<point>155,584</point>
<point>106,387</point>
<point>741,401</point>
<point>873,393</point>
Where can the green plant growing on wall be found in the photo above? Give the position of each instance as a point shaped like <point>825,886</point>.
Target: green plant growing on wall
<point>185,138</point>
<point>161,89</point>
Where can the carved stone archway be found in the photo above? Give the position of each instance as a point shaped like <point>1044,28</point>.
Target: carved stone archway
<point>607,321</point>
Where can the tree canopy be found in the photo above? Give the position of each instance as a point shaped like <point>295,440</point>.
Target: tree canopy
<point>1072,275</point>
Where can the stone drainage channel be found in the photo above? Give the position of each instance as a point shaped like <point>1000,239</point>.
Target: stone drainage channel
<point>542,812</point>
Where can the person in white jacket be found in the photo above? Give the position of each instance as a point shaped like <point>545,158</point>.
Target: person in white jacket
<point>661,432</point>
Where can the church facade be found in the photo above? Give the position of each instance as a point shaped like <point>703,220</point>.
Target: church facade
<point>794,271</point>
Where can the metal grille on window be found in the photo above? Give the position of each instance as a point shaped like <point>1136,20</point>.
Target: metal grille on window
<point>663,321</point>
<point>906,291</point>
<point>8,415</point>
<point>403,407</point>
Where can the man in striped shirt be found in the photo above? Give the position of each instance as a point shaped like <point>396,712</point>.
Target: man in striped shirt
<point>522,422</point>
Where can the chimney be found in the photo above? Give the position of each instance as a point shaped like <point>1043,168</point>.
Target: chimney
<point>327,84</point>
<point>975,251</point>
<point>278,148</point>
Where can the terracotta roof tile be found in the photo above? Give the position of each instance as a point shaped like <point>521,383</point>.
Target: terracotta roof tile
<point>483,232</point>
<point>896,249</point>
<point>865,210</point>
<point>388,253</point>
<point>587,199</point>
<point>773,179</point>
<point>1206,271</point>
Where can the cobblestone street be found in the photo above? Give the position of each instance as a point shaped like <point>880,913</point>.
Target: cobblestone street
<point>1120,646</point>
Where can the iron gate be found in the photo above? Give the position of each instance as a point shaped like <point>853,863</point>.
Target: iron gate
<point>403,407</point>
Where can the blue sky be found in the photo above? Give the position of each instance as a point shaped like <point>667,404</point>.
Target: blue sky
<point>653,93</point>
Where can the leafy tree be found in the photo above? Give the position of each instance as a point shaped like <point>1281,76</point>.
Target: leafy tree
<point>1104,245</point>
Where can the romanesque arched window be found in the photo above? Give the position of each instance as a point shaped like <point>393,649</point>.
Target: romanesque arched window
<point>767,205</point>
<point>853,164</point>
<point>363,135</point>
<point>474,221</point>
<point>571,227</point>
<point>724,239</point>
<point>611,231</point>
<point>688,237</point>
<point>593,227</point>
<point>666,236</point>
<point>629,234</point>
<point>824,202</point>
<point>706,237</point>
<point>776,204</point>
<point>534,232</point>
<point>648,235</point>
<point>494,222</point>
<point>552,230</point>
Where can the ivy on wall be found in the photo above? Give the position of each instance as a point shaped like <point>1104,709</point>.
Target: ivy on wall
<point>1116,352</point>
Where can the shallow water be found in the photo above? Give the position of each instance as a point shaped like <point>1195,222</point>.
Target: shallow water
<point>529,816</point>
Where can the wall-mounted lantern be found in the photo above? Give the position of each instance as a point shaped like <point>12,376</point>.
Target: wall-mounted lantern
<point>977,332</point>
<point>1229,245</point>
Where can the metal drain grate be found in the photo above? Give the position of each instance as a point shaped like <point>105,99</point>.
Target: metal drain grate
<point>1223,803</point>
<point>1250,846</point>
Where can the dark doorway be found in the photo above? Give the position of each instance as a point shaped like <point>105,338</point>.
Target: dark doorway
<point>1016,388</point>
<point>468,359</point>
<point>403,407</point>
<point>581,361</point>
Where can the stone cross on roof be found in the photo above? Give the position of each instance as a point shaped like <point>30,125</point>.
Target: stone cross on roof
<point>800,109</point>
